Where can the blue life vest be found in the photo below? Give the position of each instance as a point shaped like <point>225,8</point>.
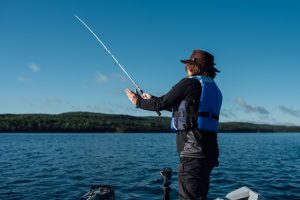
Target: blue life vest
<point>208,112</point>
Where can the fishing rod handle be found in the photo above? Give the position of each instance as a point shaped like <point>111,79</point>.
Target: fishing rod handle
<point>140,93</point>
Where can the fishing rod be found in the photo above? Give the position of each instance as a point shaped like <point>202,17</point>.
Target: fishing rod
<point>138,89</point>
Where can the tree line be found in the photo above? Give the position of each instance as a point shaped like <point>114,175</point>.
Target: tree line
<point>108,123</point>
<point>81,122</point>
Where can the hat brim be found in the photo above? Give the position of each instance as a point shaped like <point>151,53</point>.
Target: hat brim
<point>190,61</point>
<point>215,69</point>
<point>185,61</point>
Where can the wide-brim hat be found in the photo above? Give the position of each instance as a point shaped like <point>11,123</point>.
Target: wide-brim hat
<point>200,56</point>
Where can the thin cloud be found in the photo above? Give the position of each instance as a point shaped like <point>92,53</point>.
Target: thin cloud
<point>93,108</point>
<point>34,67</point>
<point>100,78</point>
<point>51,100</point>
<point>267,119</point>
<point>249,108</point>
<point>290,111</point>
<point>227,113</point>
<point>121,77</point>
<point>23,79</point>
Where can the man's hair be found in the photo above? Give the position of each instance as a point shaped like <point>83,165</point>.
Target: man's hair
<point>205,69</point>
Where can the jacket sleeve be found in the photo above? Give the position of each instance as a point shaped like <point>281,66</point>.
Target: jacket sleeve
<point>167,101</point>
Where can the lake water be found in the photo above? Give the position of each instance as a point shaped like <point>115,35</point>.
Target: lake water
<point>63,166</point>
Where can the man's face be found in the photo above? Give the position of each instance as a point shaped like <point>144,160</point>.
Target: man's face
<point>186,66</point>
<point>187,69</point>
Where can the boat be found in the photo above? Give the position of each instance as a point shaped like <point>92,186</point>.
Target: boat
<point>105,192</point>
<point>243,193</point>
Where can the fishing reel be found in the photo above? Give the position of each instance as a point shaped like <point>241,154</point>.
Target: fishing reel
<point>140,93</point>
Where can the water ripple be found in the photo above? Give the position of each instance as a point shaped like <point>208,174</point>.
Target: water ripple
<point>63,166</point>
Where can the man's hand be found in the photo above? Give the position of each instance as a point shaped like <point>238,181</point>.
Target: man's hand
<point>131,96</point>
<point>146,96</point>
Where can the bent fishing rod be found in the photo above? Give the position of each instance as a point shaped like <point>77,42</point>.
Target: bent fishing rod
<point>138,89</point>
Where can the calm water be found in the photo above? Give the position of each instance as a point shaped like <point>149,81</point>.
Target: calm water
<point>63,166</point>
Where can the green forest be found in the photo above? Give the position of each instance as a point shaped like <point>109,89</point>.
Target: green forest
<point>86,122</point>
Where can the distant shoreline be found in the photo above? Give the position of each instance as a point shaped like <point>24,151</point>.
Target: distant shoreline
<point>87,122</point>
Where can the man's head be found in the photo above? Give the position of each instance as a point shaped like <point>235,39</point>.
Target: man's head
<point>200,63</point>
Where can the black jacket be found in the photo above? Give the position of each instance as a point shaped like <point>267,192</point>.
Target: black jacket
<point>186,89</point>
<point>190,143</point>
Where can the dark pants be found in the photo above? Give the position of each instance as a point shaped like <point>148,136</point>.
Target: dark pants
<point>193,178</point>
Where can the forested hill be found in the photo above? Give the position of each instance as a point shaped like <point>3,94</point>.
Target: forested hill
<point>101,123</point>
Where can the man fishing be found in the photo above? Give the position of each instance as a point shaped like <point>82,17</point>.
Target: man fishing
<point>195,102</point>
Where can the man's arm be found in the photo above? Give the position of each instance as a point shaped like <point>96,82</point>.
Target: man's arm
<point>167,101</point>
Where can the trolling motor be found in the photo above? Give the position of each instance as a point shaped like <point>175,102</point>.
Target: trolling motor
<point>166,173</point>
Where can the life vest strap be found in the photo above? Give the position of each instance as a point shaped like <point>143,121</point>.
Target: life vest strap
<point>196,114</point>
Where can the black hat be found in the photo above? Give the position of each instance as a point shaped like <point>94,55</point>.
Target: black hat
<point>199,56</point>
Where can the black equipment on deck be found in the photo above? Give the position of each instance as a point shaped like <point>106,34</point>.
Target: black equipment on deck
<point>99,192</point>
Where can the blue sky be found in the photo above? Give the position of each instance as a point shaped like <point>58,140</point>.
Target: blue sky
<point>49,63</point>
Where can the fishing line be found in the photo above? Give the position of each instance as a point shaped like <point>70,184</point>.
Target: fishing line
<point>138,89</point>
<point>108,51</point>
